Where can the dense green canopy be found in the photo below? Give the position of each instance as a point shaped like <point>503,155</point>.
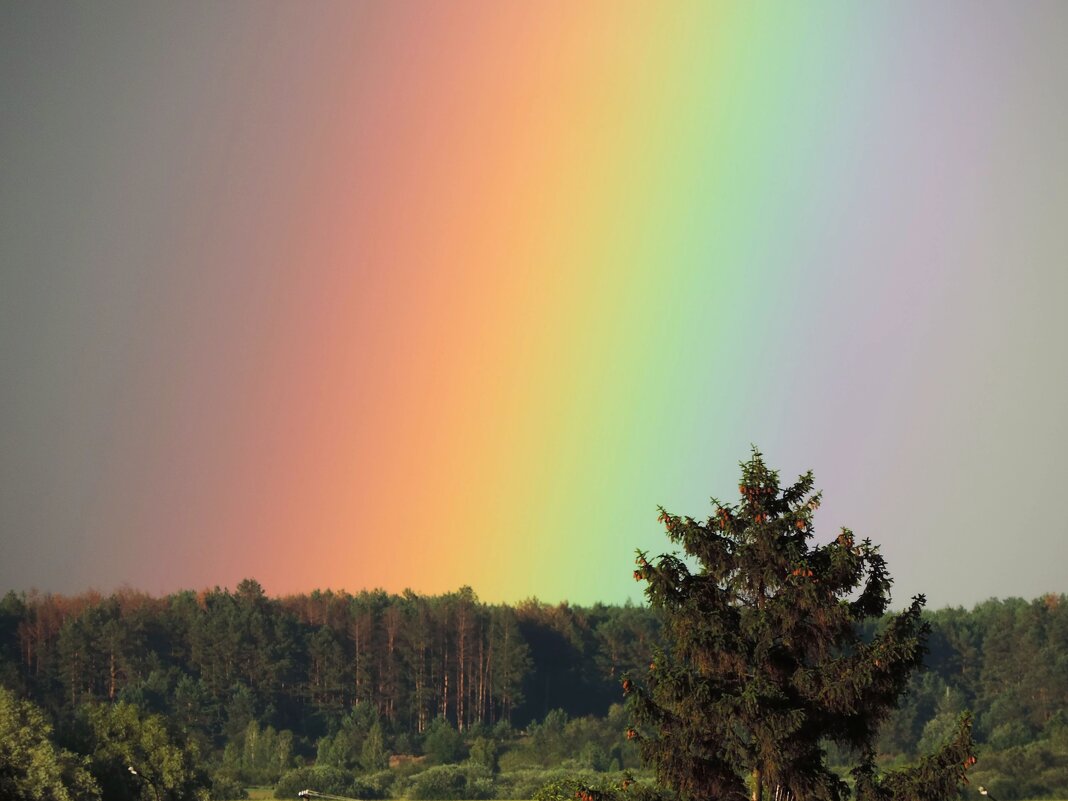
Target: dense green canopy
<point>31,767</point>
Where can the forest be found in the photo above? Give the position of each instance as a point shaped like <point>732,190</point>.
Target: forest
<point>381,695</point>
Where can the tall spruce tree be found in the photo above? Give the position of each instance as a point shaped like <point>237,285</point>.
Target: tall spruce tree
<point>764,663</point>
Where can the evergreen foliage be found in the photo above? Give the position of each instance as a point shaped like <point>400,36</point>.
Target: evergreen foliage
<point>764,663</point>
<point>373,754</point>
<point>234,677</point>
<point>443,744</point>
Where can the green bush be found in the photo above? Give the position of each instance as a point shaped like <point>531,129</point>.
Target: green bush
<point>576,786</point>
<point>524,783</point>
<point>520,758</point>
<point>443,744</point>
<point>447,782</point>
<point>600,787</point>
<point>326,779</point>
<point>380,783</point>
<point>226,788</point>
<point>323,778</point>
<point>364,788</point>
<point>484,752</point>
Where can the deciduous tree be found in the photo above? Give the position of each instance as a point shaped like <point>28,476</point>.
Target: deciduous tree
<point>31,767</point>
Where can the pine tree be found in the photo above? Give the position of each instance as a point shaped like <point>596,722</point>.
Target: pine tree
<point>764,664</point>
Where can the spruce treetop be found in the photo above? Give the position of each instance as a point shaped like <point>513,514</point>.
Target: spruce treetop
<point>765,663</point>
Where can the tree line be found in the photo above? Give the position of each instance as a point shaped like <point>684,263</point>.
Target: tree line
<point>217,659</point>
<point>346,679</point>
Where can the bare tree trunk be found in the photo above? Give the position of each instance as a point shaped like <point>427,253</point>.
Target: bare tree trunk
<point>491,708</point>
<point>481,710</point>
<point>393,622</point>
<point>356,633</point>
<point>420,681</point>
<point>445,682</point>
<point>461,667</point>
<point>75,672</point>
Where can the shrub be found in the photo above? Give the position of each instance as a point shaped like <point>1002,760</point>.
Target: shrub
<point>443,744</point>
<point>600,787</point>
<point>380,782</point>
<point>323,778</point>
<point>524,783</point>
<point>226,788</point>
<point>445,782</point>
<point>484,753</point>
<point>583,787</point>
<point>520,758</point>
<point>365,788</point>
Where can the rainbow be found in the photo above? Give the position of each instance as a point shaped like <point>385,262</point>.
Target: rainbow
<point>425,295</point>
